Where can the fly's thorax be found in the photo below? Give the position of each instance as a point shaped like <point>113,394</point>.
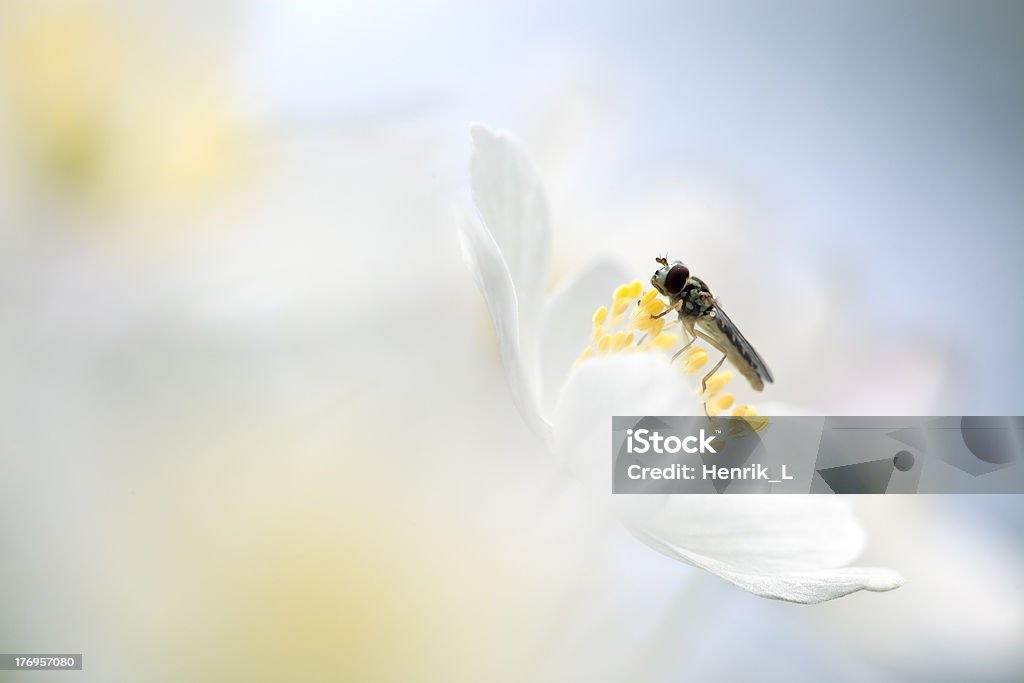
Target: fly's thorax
<point>696,300</point>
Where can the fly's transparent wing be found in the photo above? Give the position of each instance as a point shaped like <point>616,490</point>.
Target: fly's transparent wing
<point>738,350</point>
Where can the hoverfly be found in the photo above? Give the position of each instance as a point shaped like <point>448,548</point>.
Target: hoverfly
<point>703,318</point>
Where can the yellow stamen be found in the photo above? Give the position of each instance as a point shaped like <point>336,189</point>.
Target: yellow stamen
<point>654,327</point>
<point>750,415</point>
<point>722,402</point>
<point>619,341</point>
<point>600,315</point>
<point>619,305</point>
<point>598,333</point>
<point>648,296</point>
<point>635,288</point>
<point>654,307</point>
<point>622,292</point>
<point>717,381</point>
<point>694,360</point>
<point>604,343</point>
<point>586,353</point>
<point>664,341</point>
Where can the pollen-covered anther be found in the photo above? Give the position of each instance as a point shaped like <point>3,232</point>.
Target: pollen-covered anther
<point>652,326</point>
<point>653,307</point>
<point>717,381</point>
<point>720,403</point>
<point>693,360</point>
<point>664,341</point>
<point>757,423</point>
<point>600,315</point>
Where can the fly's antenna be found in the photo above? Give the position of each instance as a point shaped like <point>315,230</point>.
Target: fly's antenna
<point>662,260</point>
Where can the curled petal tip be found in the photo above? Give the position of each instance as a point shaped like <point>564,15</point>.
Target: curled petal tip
<point>884,580</point>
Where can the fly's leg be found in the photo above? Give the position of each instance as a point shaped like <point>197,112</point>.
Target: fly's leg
<point>666,327</point>
<point>669,326</point>
<point>714,343</point>
<point>704,382</point>
<point>682,350</point>
<point>673,307</point>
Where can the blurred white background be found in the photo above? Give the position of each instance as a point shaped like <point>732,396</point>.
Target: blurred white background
<point>251,393</point>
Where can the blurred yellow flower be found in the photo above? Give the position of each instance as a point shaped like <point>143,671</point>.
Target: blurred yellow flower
<point>325,584</point>
<point>116,110</point>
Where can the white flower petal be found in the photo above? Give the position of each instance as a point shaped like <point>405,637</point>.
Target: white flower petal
<point>566,325</point>
<point>514,209</point>
<point>495,283</point>
<point>782,547</point>
<point>602,387</point>
<point>806,587</point>
<point>762,533</point>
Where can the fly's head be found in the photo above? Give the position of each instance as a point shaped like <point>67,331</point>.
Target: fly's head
<point>670,278</point>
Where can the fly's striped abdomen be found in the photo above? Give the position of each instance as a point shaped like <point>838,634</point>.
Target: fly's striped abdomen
<point>738,350</point>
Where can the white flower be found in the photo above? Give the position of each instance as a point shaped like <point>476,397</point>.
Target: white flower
<point>787,548</point>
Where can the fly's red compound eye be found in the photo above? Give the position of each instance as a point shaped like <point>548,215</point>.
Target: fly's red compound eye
<point>676,278</point>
